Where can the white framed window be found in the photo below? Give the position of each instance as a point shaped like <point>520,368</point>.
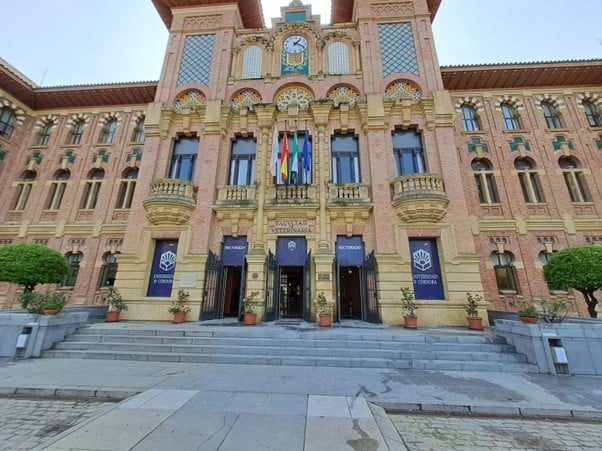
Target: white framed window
<point>574,179</point>
<point>127,186</point>
<point>252,60</point>
<point>483,174</point>
<point>57,190</point>
<point>529,180</point>
<point>338,58</point>
<point>92,188</point>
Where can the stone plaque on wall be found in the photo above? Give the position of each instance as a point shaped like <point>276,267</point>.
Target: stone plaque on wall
<point>292,226</point>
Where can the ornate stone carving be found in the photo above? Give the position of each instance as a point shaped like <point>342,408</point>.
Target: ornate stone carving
<point>392,9</point>
<point>197,22</point>
<point>191,99</point>
<point>293,96</point>
<point>400,89</point>
<point>245,98</point>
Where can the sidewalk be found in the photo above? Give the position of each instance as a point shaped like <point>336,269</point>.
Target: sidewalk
<point>226,407</point>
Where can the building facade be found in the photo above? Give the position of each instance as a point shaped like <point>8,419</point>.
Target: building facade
<point>306,158</point>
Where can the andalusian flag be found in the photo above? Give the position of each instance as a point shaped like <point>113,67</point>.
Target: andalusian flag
<point>284,157</point>
<point>295,162</point>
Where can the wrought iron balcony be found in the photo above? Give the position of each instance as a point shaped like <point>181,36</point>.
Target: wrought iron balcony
<point>170,201</point>
<point>419,197</point>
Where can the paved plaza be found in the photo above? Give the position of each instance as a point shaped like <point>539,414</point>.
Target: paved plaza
<point>234,407</point>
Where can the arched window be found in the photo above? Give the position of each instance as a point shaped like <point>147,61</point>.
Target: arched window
<point>242,162</point>
<point>529,180</point>
<point>24,188</point>
<point>108,271</point>
<point>44,135</point>
<point>139,131</point>
<point>7,121</point>
<point>505,272</point>
<point>574,179</point>
<point>76,132</point>
<point>127,188</point>
<point>252,61</point>
<point>591,113</point>
<point>73,260</point>
<point>483,174</point>
<point>510,116</point>
<point>107,136</point>
<point>551,115</point>
<point>408,153</point>
<point>57,190</point>
<point>470,119</point>
<point>338,59</point>
<point>92,188</point>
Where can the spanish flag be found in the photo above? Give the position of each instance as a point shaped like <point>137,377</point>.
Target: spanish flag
<point>284,157</point>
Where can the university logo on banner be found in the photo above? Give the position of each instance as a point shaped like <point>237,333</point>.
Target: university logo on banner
<point>162,271</point>
<point>426,274</point>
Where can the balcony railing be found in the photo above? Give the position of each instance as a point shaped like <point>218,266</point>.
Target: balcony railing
<point>419,197</point>
<point>236,195</point>
<point>348,193</point>
<point>293,194</point>
<point>170,201</point>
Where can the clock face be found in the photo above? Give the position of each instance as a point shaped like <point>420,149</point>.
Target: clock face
<point>295,44</point>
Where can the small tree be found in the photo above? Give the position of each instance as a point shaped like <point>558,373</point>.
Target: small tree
<point>30,264</point>
<point>579,268</point>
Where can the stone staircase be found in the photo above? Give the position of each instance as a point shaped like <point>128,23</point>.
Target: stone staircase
<point>276,345</point>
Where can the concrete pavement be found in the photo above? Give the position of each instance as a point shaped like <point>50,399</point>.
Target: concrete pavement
<point>211,406</point>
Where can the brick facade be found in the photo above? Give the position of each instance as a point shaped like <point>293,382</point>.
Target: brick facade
<point>438,203</point>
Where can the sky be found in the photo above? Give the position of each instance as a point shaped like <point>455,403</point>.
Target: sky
<point>72,42</point>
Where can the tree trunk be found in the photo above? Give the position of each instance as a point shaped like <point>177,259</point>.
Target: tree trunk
<point>591,302</point>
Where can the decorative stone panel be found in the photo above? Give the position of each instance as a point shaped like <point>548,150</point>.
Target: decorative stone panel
<point>294,96</point>
<point>191,99</point>
<point>197,59</point>
<point>343,94</point>
<point>398,52</point>
<point>400,89</point>
<point>245,98</point>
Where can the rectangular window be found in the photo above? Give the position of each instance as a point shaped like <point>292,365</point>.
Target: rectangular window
<point>126,193</point>
<point>55,197</point>
<point>505,277</point>
<point>183,160</point>
<point>91,190</point>
<point>23,191</point>
<point>242,162</point>
<point>408,153</point>
<point>345,159</point>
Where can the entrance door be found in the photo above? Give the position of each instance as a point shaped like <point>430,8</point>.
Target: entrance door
<point>291,292</point>
<point>233,277</point>
<point>350,292</point>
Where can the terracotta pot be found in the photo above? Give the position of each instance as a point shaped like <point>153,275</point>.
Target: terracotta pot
<point>250,319</point>
<point>51,311</point>
<point>475,323</point>
<point>325,320</point>
<point>529,319</point>
<point>112,316</point>
<point>410,322</point>
<point>179,317</point>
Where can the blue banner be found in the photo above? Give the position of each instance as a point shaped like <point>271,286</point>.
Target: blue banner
<point>291,251</point>
<point>426,273</point>
<point>350,251</point>
<point>162,271</point>
<point>234,251</point>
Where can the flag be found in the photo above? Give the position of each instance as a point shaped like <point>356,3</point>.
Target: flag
<point>306,156</point>
<point>275,149</point>
<point>295,159</point>
<point>284,157</point>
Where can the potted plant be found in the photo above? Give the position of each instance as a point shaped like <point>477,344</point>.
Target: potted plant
<point>409,308</point>
<point>554,310</point>
<point>52,303</point>
<point>323,310</point>
<point>250,304</point>
<point>475,322</point>
<point>116,305</point>
<point>528,313</point>
<point>179,308</point>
